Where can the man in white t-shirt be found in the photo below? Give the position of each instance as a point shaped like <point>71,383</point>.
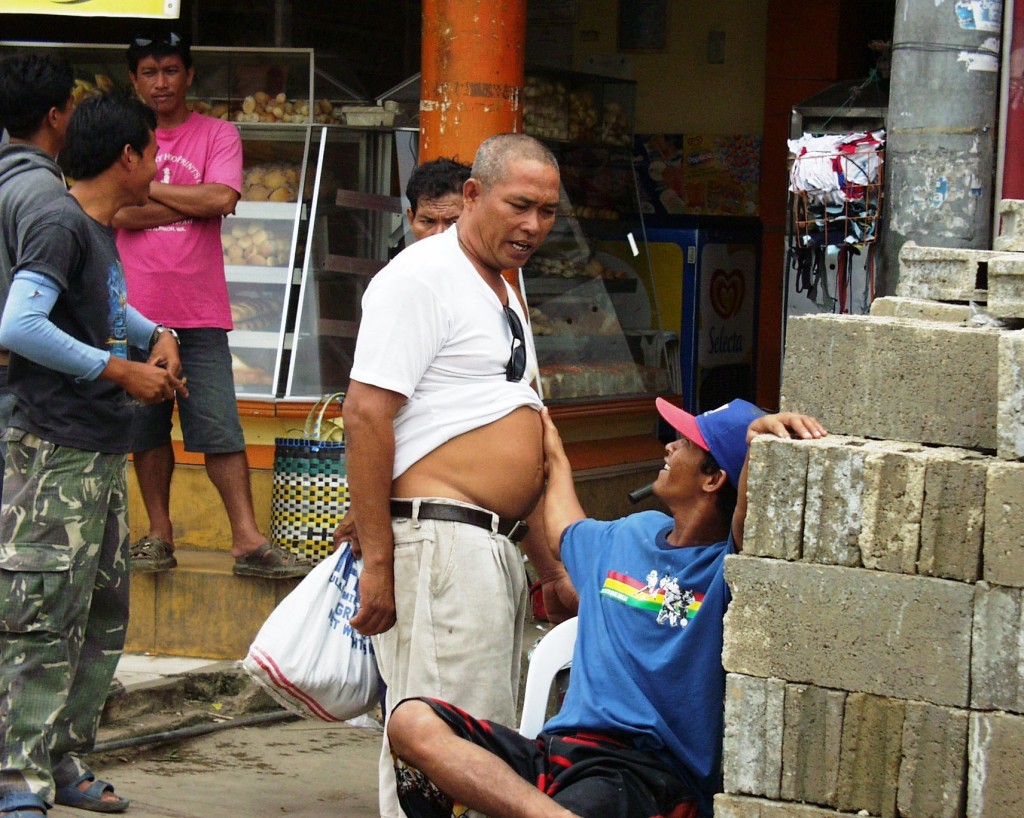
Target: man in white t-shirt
<point>444,445</point>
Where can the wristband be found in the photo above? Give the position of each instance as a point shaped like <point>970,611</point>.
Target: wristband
<point>159,330</point>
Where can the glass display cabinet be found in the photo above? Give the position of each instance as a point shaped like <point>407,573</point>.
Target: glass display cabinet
<point>352,215</point>
<point>590,288</point>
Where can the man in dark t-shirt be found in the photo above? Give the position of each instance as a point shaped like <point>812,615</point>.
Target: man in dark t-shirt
<point>63,521</point>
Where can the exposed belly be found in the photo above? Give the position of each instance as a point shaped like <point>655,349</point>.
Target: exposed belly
<point>498,467</point>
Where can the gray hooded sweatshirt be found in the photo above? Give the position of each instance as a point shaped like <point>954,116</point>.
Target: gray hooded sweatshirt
<point>29,179</point>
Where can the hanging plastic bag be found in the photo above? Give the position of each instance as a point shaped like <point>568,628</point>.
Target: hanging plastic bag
<point>307,656</point>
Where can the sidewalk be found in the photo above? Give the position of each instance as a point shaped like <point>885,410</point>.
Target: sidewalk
<point>135,669</point>
<point>294,767</point>
<point>291,768</point>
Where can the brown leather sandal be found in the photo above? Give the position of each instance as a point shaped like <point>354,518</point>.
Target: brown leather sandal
<point>271,562</point>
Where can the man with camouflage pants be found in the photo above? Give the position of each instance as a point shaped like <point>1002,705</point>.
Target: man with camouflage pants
<point>63,521</point>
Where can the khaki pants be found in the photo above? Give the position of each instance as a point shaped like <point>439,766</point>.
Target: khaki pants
<point>461,601</point>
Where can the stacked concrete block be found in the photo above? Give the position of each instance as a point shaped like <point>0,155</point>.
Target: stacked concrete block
<point>997,758</point>
<point>875,640</point>
<point>853,752</point>
<point>1006,286</point>
<point>997,656</point>
<point>920,309</point>
<point>775,513</point>
<point>944,273</point>
<point>753,729</point>
<point>1011,229</point>
<point>832,504</point>
<point>884,505</point>
<point>905,637</point>
<point>952,517</point>
<point>812,727</point>
<point>896,379</point>
<point>1010,421</point>
<point>870,754</point>
<point>933,771</point>
<point>732,806</point>
<point>1004,524</point>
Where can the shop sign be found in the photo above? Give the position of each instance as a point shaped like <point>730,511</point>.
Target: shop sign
<point>163,9</point>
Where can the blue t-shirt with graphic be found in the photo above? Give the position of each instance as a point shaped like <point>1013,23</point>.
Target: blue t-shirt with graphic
<point>648,660</point>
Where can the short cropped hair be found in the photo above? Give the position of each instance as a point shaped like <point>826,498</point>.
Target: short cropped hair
<point>30,86</point>
<point>494,154</point>
<point>101,126</point>
<point>158,44</point>
<point>435,179</point>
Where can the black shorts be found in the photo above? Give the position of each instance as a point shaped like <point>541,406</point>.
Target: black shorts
<point>591,774</point>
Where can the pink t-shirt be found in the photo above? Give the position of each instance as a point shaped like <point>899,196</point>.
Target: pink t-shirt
<point>175,273</point>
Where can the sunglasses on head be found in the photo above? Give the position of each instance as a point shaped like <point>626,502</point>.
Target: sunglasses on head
<point>172,39</point>
<point>516,366</point>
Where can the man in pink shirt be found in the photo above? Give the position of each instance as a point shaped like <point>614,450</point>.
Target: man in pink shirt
<point>174,268</point>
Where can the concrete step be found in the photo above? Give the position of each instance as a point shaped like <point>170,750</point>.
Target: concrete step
<point>200,608</point>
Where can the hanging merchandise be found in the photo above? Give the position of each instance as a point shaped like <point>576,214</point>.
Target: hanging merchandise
<point>835,185</point>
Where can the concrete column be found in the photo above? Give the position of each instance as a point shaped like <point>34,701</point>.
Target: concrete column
<point>943,107</point>
<point>472,74</point>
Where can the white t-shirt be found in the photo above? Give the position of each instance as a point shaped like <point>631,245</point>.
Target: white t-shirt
<point>433,330</point>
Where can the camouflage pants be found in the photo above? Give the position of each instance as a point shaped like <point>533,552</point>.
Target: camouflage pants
<point>63,609</point>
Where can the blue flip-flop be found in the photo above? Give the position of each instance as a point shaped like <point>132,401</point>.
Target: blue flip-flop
<point>91,798</point>
<point>22,805</point>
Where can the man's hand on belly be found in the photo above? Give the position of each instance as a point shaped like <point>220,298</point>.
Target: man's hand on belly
<point>376,601</point>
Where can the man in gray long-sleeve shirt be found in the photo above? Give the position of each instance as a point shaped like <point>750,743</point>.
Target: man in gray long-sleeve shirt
<point>35,106</point>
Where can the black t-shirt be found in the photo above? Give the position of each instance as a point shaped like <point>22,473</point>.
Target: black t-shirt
<point>63,243</point>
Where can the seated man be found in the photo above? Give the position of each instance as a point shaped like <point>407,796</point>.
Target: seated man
<point>640,731</point>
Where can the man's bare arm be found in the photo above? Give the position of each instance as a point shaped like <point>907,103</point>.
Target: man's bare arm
<point>561,505</point>
<point>198,201</point>
<point>369,413</point>
<point>785,425</point>
<point>561,601</point>
<point>143,217</point>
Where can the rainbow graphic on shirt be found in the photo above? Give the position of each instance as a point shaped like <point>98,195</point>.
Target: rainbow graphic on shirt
<point>658,594</point>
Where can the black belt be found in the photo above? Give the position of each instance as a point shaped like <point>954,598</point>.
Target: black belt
<point>515,530</point>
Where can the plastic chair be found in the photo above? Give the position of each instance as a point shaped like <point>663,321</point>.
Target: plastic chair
<point>552,654</point>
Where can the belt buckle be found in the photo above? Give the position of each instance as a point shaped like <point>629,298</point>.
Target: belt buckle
<point>519,526</point>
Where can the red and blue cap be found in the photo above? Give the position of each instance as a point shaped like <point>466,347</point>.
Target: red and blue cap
<point>721,431</point>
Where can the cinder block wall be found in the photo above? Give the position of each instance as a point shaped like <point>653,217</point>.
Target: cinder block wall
<point>875,641</point>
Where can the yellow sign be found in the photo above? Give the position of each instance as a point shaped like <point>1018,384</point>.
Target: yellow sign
<point>163,9</point>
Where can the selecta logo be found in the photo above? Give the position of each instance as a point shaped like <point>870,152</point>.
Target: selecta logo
<point>727,290</point>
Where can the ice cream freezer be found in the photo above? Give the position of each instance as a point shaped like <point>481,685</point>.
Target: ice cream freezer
<point>710,267</point>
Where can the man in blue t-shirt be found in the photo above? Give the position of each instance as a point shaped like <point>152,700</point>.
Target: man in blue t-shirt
<point>640,731</point>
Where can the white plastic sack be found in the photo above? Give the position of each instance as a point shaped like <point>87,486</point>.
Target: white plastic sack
<point>307,656</point>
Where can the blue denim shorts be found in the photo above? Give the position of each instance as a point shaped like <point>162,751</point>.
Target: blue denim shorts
<point>209,415</point>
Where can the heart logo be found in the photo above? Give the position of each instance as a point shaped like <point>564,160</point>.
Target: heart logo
<point>727,290</point>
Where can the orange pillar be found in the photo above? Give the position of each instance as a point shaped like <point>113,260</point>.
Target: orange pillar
<point>472,74</point>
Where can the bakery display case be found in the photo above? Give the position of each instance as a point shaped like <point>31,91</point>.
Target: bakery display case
<point>590,289</point>
<point>576,107</point>
<point>262,242</point>
<point>353,211</point>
